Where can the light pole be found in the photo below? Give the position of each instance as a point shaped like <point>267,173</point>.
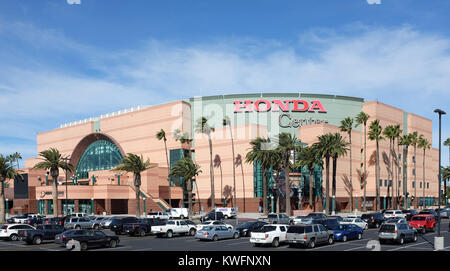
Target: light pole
<point>67,160</point>
<point>7,211</point>
<point>440,241</point>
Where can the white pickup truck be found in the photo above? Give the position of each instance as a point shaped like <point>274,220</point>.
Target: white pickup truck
<point>172,227</point>
<point>272,234</point>
<point>160,215</point>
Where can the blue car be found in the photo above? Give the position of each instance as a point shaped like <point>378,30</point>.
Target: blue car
<point>347,232</point>
<point>216,232</point>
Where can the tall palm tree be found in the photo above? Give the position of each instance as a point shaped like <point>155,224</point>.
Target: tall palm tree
<point>446,178</point>
<point>397,134</point>
<point>414,136</point>
<point>423,144</point>
<point>389,132</point>
<point>447,143</point>
<point>347,126</point>
<point>288,143</point>
<point>310,157</point>
<point>202,126</point>
<point>264,157</point>
<point>135,164</point>
<point>375,131</point>
<point>188,170</point>
<point>218,164</point>
<point>227,122</point>
<point>7,171</point>
<point>362,118</point>
<point>339,148</point>
<point>53,161</point>
<point>405,141</point>
<point>239,163</point>
<point>324,147</point>
<point>161,135</point>
<point>16,157</point>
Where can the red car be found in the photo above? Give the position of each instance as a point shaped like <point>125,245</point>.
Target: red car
<point>423,223</point>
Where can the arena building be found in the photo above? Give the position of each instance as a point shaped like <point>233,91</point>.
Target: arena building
<point>97,145</point>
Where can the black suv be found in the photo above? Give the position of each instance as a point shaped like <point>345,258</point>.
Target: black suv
<point>117,223</point>
<point>212,216</point>
<point>374,220</point>
<point>409,214</point>
<point>247,228</point>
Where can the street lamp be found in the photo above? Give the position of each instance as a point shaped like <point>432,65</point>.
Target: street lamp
<point>440,112</point>
<point>7,211</point>
<point>67,160</point>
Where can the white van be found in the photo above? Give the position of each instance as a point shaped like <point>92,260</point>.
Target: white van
<point>178,213</point>
<point>227,212</point>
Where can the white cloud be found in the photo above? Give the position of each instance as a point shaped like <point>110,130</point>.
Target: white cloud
<point>71,2</point>
<point>371,2</point>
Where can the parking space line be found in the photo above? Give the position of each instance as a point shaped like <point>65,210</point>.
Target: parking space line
<point>403,247</point>
<point>239,243</point>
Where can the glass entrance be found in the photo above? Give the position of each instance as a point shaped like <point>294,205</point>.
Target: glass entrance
<point>68,206</point>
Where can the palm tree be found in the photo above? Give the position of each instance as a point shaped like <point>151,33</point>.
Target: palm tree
<point>405,141</point>
<point>324,147</point>
<point>447,143</point>
<point>446,178</point>
<point>135,164</point>
<point>414,141</point>
<point>53,161</point>
<point>265,157</point>
<point>227,122</point>
<point>186,169</point>
<point>238,163</point>
<point>423,144</point>
<point>389,132</point>
<point>161,135</point>
<point>7,171</point>
<point>397,134</point>
<point>202,126</point>
<point>218,164</point>
<point>362,118</point>
<point>16,157</point>
<point>375,131</point>
<point>347,126</point>
<point>310,157</point>
<point>288,143</point>
<point>339,148</point>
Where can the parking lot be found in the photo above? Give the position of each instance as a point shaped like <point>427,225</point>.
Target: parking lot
<point>189,243</point>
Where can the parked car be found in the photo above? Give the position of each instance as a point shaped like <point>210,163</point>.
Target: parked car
<point>227,212</point>
<point>396,232</point>
<point>429,212</point>
<point>80,223</point>
<point>272,234</point>
<point>212,216</point>
<point>104,224</point>
<point>274,218</point>
<point>11,231</point>
<point>79,215</point>
<point>355,221</point>
<point>445,212</point>
<point>409,213</point>
<point>34,221</point>
<point>117,222</point>
<point>21,218</point>
<point>54,221</point>
<point>173,227</point>
<point>215,233</point>
<point>87,238</point>
<point>395,220</point>
<point>212,223</point>
<point>338,218</point>
<point>41,233</point>
<point>308,235</point>
<point>298,219</point>
<point>142,227</point>
<point>246,228</point>
<point>97,219</point>
<point>423,223</point>
<point>347,232</point>
<point>394,213</point>
<point>180,213</point>
<point>160,215</point>
<point>374,220</point>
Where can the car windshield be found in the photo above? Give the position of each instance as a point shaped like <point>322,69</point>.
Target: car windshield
<point>246,225</point>
<point>387,228</point>
<point>418,218</point>
<point>296,229</point>
<point>343,227</point>
<point>209,228</point>
<point>272,216</point>
<point>347,220</point>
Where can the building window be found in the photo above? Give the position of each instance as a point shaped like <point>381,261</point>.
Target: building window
<point>390,183</point>
<point>100,155</point>
<point>399,183</point>
<point>381,182</point>
<point>428,185</point>
<point>385,182</point>
<point>414,172</point>
<point>413,159</point>
<point>413,184</point>
<point>420,184</point>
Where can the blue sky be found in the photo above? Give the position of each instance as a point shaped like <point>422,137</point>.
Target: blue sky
<point>64,62</point>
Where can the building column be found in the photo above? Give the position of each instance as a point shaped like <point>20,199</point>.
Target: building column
<point>108,206</point>
<point>76,202</point>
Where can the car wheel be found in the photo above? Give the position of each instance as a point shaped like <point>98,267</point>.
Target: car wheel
<point>275,242</point>
<point>169,234</point>
<point>377,225</point>
<point>112,244</point>
<point>14,237</point>
<point>117,232</point>
<point>359,236</point>
<point>401,241</point>
<point>77,227</point>
<point>312,243</point>
<point>366,227</point>
<point>330,240</point>
<point>415,238</point>
<point>37,240</point>
<point>434,228</point>
<point>192,232</point>
<point>344,238</point>
<point>424,230</point>
<point>236,235</point>
<point>247,234</point>
<point>83,246</point>
<point>95,227</point>
<point>141,233</point>
<point>182,216</point>
<point>215,238</point>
